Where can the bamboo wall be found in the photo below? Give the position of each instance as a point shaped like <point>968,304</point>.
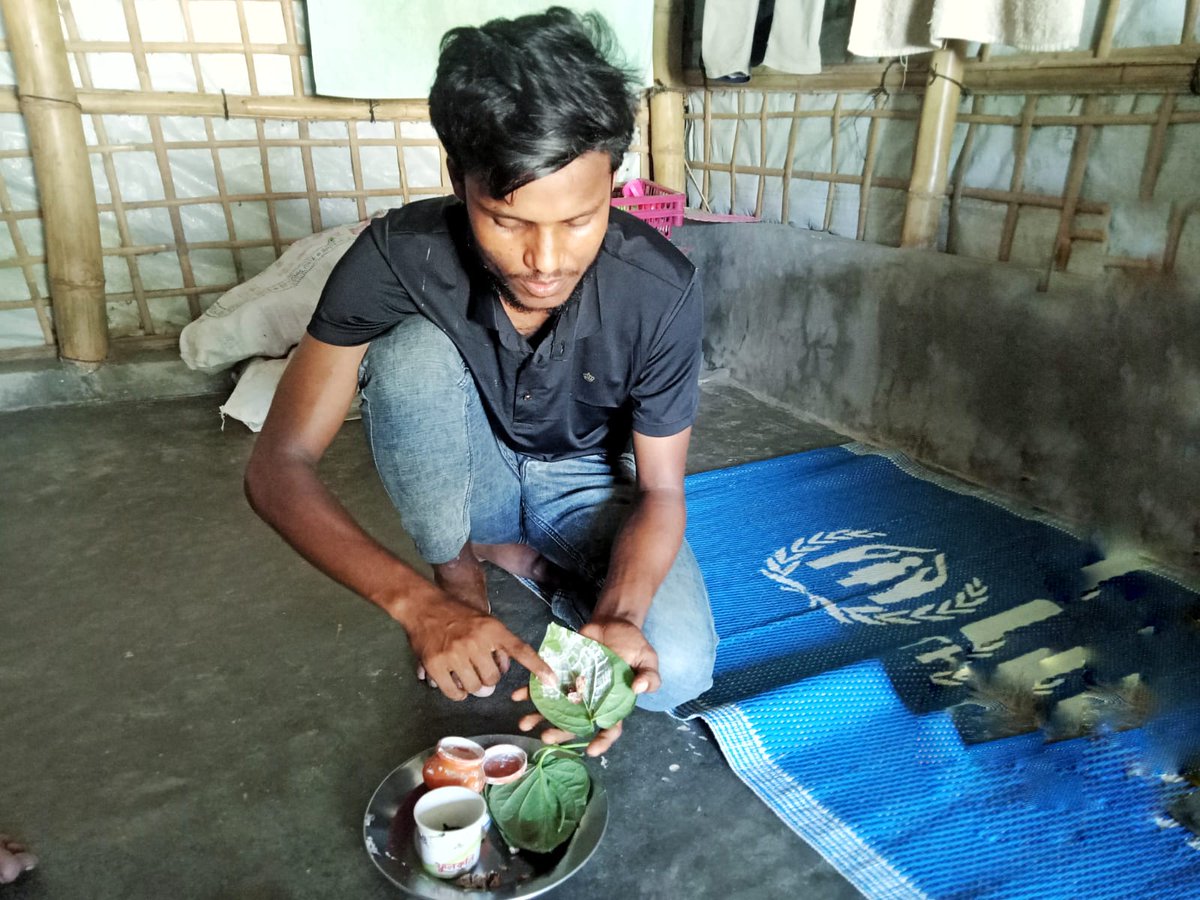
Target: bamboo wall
<point>1080,162</point>
<point>210,154</point>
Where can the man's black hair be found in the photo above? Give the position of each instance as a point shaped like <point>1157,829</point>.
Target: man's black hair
<point>517,99</point>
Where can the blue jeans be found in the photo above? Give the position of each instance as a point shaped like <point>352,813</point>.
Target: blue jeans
<point>452,482</point>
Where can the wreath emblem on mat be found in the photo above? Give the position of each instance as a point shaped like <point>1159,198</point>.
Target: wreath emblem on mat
<point>891,575</point>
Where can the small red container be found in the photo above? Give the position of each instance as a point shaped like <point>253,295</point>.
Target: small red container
<point>456,762</point>
<point>651,203</point>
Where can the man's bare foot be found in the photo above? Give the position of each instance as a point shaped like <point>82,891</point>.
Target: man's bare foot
<point>15,859</point>
<point>523,561</point>
<point>463,579</point>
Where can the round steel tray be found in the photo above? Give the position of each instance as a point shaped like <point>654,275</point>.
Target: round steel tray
<point>388,834</point>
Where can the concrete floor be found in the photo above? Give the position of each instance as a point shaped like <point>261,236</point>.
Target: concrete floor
<point>189,710</point>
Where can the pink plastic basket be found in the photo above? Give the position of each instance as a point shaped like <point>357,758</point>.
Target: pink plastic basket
<point>651,203</point>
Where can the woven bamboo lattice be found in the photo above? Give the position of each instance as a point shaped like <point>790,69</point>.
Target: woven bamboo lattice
<point>857,125</point>
<point>210,155</point>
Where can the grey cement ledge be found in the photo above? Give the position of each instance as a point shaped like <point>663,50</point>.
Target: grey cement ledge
<point>127,375</point>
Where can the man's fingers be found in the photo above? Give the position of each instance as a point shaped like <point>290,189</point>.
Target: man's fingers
<point>444,679</point>
<point>529,722</point>
<point>602,741</point>
<point>556,736</point>
<point>527,656</point>
<point>647,681</point>
<point>521,694</point>
<point>468,679</point>
<point>502,661</point>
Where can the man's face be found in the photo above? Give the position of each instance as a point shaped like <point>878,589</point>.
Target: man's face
<point>539,240</point>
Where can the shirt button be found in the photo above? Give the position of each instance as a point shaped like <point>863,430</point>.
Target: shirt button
<point>527,396</point>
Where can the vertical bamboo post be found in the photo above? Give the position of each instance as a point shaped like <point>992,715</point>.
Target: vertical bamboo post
<point>708,150</point>
<point>1075,175</point>
<point>939,112</point>
<point>1158,143</point>
<point>1108,28</point>
<point>835,128</point>
<point>868,172</point>
<point>71,221</point>
<point>960,175</point>
<point>666,103</point>
<point>1190,12</point>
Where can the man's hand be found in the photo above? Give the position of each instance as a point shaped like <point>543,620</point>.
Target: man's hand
<point>463,649</point>
<point>626,640</point>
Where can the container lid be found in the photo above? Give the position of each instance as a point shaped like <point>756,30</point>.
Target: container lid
<point>503,763</point>
<point>460,748</point>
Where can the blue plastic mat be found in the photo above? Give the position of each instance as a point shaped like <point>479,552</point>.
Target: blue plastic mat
<point>911,677</point>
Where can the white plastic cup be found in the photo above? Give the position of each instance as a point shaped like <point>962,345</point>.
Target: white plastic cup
<point>450,826</point>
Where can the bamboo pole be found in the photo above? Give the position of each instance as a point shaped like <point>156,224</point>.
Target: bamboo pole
<point>1180,212</point>
<point>1154,152</point>
<point>116,202</point>
<point>785,211</point>
<point>733,148</point>
<point>64,177</point>
<point>939,112</point>
<point>666,140</point>
<point>1126,70</point>
<point>1009,232</point>
<point>167,103</point>
<point>708,102</point>
<point>1190,13</point>
<point>835,128</point>
<point>666,102</point>
<point>960,171</point>
<point>868,174</point>
<point>1075,175</point>
<point>762,156</point>
<point>1104,44</point>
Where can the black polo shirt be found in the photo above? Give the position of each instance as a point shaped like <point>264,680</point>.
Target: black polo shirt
<point>623,354</point>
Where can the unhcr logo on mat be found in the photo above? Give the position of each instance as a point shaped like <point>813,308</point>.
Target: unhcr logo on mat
<point>889,584</point>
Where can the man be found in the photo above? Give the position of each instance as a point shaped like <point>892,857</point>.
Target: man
<point>509,342</point>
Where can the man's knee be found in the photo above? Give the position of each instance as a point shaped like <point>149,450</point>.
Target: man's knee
<point>415,347</point>
<point>680,628</point>
<point>685,676</point>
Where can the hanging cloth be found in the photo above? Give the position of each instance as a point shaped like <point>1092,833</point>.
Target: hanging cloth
<point>903,27</point>
<point>727,40</point>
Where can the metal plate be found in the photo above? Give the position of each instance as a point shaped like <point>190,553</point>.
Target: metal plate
<point>388,834</point>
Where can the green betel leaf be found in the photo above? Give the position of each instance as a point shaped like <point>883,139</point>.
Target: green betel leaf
<point>594,685</point>
<point>544,807</point>
<point>620,699</point>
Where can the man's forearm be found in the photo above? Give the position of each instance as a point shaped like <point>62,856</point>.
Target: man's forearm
<point>290,497</point>
<point>644,551</point>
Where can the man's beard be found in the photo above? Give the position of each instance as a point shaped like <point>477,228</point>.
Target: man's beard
<point>509,298</point>
<point>504,289</point>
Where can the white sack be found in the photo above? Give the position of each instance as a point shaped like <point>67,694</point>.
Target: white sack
<point>267,315</point>
<point>251,398</point>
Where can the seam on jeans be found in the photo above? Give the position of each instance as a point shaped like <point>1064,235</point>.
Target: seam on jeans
<point>584,565</point>
<point>368,421</point>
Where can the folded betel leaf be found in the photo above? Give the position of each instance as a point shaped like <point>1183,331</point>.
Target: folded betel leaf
<point>543,808</point>
<point>594,686</point>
